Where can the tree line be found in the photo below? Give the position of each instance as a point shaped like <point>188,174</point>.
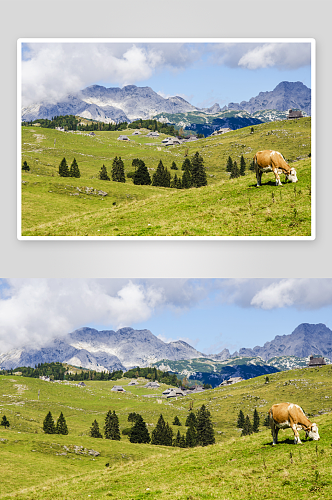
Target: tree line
<point>199,431</point>
<point>153,125</point>
<point>245,424</point>
<point>153,374</point>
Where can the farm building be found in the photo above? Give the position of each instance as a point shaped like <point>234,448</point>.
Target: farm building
<point>152,385</point>
<point>294,114</point>
<point>133,382</point>
<point>136,133</point>
<point>173,393</point>
<point>231,380</point>
<point>316,361</point>
<point>152,134</point>
<point>92,134</point>
<point>123,138</point>
<point>118,388</point>
<point>221,131</point>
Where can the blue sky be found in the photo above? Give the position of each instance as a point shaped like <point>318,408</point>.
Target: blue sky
<point>209,314</point>
<point>202,73</point>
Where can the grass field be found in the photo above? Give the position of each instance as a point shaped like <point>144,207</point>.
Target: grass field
<point>36,466</point>
<point>57,206</point>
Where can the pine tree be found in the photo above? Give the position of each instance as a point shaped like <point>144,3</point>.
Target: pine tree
<point>266,422</point>
<point>61,426</point>
<point>74,170</point>
<point>191,436</point>
<point>186,164</point>
<point>63,168</point>
<point>132,417</point>
<point>174,181</point>
<point>252,166</point>
<point>247,428</point>
<point>141,176</point>
<point>139,432</point>
<point>198,171</point>
<point>242,166</point>
<point>174,167</point>
<point>179,183</point>
<point>111,428</point>
<point>191,420</point>
<point>48,424</point>
<point>176,421</point>
<point>186,178</point>
<point>103,174</point>
<point>177,440</point>
<point>94,430</point>
<point>162,434</point>
<point>205,431</point>
<point>229,165</point>
<point>256,421</point>
<point>118,174</point>
<point>25,167</point>
<point>161,177</point>
<point>235,171</point>
<point>240,420</point>
<point>5,422</point>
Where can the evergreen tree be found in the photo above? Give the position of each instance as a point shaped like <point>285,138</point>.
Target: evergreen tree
<point>111,429</point>
<point>174,167</point>
<point>74,170</point>
<point>186,178</point>
<point>161,177</point>
<point>48,424</point>
<point>252,166</point>
<point>191,436</point>
<point>198,171</point>
<point>63,168</point>
<point>132,417</point>
<point>25,167</point>
<point>177,440</point>
<point>162,434</point>
<point>205,431</point>
<point>191,420</point>
<point>174,181</point>
<point>235,171</point>
<point>266,422</point>
<point>103,174</point>
<point>141,176</point>
<point>94,430</point>
<point>256,421</point>
<point>5,422</point>
<point>61,426</point>
<point>186,164</point>
<point>176,421</point>
<point>139,432</point>
<point>179,183</point>
<point>242,166</point>
<point>118,174</point>
<point>240,420</point>
<point>247,428</point>
<point>229,165</point>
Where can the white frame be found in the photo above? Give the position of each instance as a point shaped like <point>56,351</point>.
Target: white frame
<point>170,40</point>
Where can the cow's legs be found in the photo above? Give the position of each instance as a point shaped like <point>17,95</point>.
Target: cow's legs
<point>297,439</point>
<point>258,176</point>
<point>274,432</point>
<point>278,181</point>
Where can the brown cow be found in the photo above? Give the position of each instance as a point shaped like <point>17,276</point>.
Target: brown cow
<point>273,161</point>
<point>285,415</point>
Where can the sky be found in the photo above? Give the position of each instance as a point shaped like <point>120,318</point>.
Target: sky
<point>201,73</point>
<point>209,314</point>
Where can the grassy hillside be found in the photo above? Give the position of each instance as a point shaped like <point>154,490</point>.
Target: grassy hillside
<point>37,466</point>
<point>57,206</point>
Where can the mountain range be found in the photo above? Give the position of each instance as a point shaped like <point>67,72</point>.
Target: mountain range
<point>131,103</point>
<point>127,348</point>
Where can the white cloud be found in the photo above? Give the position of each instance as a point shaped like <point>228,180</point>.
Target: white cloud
<point>37,310</point>
<point>305,293</point>
<point>252,56</point>
<point>282,55</point>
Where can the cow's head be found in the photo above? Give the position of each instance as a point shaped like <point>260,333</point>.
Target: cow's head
<point>312,432</point>
<point>292,175</point>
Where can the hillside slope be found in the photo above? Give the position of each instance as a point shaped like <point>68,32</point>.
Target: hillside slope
<point>57,206</point>
<point>57,467</point>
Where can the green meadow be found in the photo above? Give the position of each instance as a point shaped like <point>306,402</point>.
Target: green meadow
<point>58,206</point>
<point>37,466</point>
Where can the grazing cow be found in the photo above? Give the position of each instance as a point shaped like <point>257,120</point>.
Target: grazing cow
<point>273,161</point>
<point>286,415</point>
